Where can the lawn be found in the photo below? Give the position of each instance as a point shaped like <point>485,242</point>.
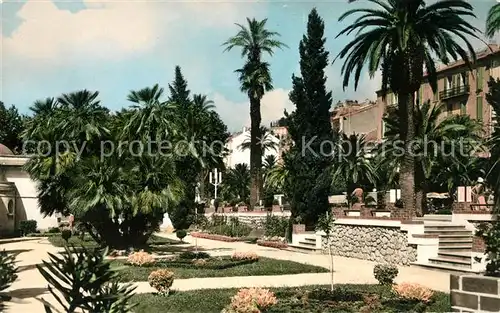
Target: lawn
<point>290,300</point>
<point>263,266</point>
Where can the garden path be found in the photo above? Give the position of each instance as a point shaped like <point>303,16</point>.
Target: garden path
<point>31,285</point>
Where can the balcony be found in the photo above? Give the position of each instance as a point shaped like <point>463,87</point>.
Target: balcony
<point>454,92</point>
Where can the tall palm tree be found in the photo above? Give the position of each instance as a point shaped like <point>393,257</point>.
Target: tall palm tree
<point>400,37</point>
<point>493,21</point>
<point>255,79</point>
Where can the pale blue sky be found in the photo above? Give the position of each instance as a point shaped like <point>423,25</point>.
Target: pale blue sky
<point>116,46</point>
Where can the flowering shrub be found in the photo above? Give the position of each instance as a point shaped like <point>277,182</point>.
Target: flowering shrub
<point>413,292</point>
<point>161,280</point>
<point>272,244</point>
<point>140,258</point>
<point>251,300</point>
<point>199,262</point>
<point>244,256</point>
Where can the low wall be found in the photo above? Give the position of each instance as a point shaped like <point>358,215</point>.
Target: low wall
<point>471,293</point>
<point>379,240</point>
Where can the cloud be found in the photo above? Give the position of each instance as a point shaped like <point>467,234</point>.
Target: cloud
<point>237,115</point>
<point>107,29</point>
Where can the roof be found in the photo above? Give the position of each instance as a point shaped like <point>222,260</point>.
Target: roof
<point>492,49</point>
<point>5,151</point>
<point>352,110</point>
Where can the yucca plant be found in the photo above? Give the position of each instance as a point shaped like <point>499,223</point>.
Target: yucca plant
<point>8,274</point>
<point>81,279</point>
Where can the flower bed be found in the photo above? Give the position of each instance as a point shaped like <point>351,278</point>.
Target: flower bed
<point>217,237</point>
<point>213,264</point>
<point>272,244</point>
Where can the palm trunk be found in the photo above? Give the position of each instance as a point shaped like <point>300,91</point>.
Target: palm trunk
<point>407,170</point>
<point>255,152</point>
<point>420,190</point>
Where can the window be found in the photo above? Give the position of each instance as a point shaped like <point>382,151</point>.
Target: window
<point>449,108</point>
<point>463,107</point>
<point>421,94</point>
<point>479,78</point>
<point>479,108</point>
<point>10,207</point>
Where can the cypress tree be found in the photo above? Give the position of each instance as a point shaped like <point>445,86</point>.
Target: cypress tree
<point>179,92</point>
<point>310,129</point>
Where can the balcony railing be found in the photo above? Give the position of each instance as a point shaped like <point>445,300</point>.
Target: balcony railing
<point>454,92</point>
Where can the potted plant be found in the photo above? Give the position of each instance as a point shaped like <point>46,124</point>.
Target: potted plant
<point>227,207</point>
<point>276,206</point>
<point>242,207</point>
<point>298,227</point>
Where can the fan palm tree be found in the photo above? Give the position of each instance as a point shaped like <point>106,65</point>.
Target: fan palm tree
<point>352,162</point>
<point>400,37</point>
<point>237,182</point>
<point>493,21</point>
<point>255,79</point>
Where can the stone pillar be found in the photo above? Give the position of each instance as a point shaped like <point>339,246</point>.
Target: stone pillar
<point>7,207</point>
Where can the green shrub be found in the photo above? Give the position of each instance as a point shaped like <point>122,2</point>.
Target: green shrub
<point>189,255</point>
<point>491,235</point>
<point>27,227</point>
<point>181,234</point>
<point>385,273</point>
<point>275,226</point>
<point>91,284</point>
<point>54,230</point>
<point>276,202</point>
<point>66,234</point>
<point>338,294</point>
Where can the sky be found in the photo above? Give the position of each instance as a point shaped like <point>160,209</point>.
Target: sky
<point>54,47</point>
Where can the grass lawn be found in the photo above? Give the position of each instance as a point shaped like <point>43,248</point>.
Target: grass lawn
<point>290,300</point>
<point>157,241</point>
<point>264,266</point>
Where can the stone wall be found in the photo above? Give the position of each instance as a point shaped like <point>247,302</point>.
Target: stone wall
<point>471,293</point>
<point>374,243</point>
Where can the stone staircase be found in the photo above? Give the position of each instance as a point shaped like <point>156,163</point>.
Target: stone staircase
<point>306,245</point>
<point>454,249</point>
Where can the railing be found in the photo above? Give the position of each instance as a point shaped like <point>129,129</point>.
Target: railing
<point>454,92</point>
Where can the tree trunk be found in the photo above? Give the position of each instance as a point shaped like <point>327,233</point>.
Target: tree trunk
<point>420,190</point>
<point>255,152</point>
<point>407,169</point>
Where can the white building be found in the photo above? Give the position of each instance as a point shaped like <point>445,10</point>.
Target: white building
<point>237,155</point>
<point>18,195</point>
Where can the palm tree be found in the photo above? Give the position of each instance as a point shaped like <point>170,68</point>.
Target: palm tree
<point>493,20</point>
<point>255,79</point>
<point>269,162</point>
<point>400,37</point>
<point>237,182</point>
<point>265,141</point>
<point>353,163</point>
<point>435,138</point>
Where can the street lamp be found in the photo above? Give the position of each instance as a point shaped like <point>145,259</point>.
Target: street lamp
<point>215,179</point>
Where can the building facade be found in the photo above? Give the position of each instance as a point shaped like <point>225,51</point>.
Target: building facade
<point>238,155</point>
<point>18,195</point>
<point>461,90</point>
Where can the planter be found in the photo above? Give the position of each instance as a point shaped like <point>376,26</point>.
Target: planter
<point>242,208</point>
<point>381,213</point>
<point>299,228</point>
<point>216,237</point>
<point>228,209</point>
<point>272,244</point>
<point>276,208</point>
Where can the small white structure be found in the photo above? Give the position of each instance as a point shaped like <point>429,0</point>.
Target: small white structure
<point>18,195</point>
<point>236,155</point>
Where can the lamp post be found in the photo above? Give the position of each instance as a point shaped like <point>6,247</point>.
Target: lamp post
<point>215,179</point>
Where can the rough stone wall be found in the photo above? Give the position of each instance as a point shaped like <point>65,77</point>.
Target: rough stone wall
<point>373,243</point>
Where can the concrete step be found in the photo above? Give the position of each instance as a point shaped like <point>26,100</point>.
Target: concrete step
<point>308,243</point>
<point>434,218</point>
<point>310,239</point>
<point>448,232</point>
<point>444,267</point>
<point>446,242</point>
<point>437,227</point>
<point>453,249</point>
<point>304,249</point>
<point>447,261</point>
<point>455,255</point>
